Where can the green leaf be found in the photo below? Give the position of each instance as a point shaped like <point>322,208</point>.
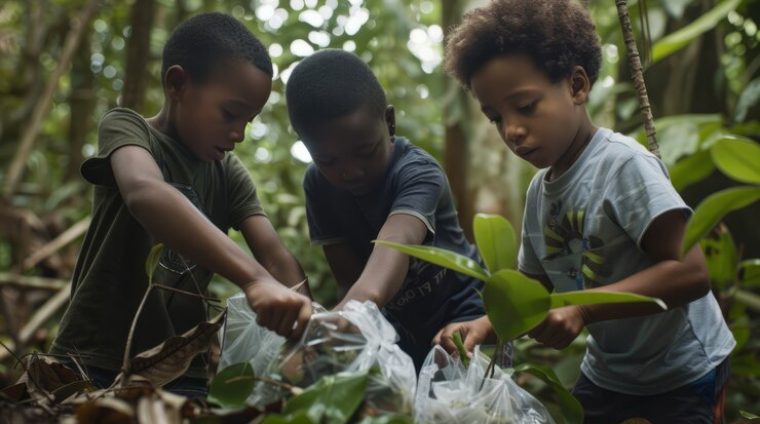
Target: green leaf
<point>750,416</point>
<point>738,158</point>
<point>713,209</point>
<point>721,257</point>
<point>440,257</point>
<point>232,386</point>
<point>749,273</point>
<point>298,417</point>
<point>152,261</point>
<point>515,304</point>
<point>584,297</point>
<point>691,169</point>
<point>333,399</point>
<point>496,241</point>
<point>387,419</point>
<point>748,298</point>
<point>747,99</point>
<point>675,41</point>
<point>572,411</point>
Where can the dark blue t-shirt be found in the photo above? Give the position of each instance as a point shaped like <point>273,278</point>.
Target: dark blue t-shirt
<point>414,184</point>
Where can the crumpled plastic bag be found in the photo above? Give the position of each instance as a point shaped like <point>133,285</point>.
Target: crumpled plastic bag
<point>356,339</point>
<point>449,393</point>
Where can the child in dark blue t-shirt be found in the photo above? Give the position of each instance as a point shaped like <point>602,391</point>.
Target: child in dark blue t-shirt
<point>365,184</point>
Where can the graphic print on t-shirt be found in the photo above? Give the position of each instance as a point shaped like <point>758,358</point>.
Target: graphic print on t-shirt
<point>564,236</point>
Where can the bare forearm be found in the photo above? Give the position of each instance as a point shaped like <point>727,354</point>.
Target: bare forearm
<point>674,282</point>
<point>285,268</point>
<point>206,245</point>
<point>381,279</point>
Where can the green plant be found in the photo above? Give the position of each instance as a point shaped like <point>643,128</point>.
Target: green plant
<point>514,303</point>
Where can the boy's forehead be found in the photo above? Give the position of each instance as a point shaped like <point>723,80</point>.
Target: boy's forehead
<point>344,132</point>
<point>241,82</point>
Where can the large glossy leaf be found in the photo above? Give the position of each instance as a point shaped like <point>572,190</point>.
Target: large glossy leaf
<point>496,241</point>
<point>713,209</point>
<point>738,158</point>
<point>748,298</point>
<point>675,41</point>
<point>333,399</point>
<point>749,273</point>
<point>572,411</point>
<point>721,257</point>
<point>584,297</point>
<point>232,386</point>
<point>691,169</point>
<point>441,257</point>
<point>515,304</point>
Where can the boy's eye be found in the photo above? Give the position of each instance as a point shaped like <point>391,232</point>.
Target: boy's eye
<point>227,115</point>
<point>528,108</point>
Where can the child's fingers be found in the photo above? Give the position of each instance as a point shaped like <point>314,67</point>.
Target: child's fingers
<point>446,339</point>
<point>286,322</point>
<point>302,321</point>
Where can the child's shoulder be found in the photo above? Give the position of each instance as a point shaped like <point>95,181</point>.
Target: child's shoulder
<point>123,116</point>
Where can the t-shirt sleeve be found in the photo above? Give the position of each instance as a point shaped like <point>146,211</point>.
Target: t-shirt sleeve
<point>118,128</point>
<point>639,193</point>
<point>527,259</point>
<point>323,228</point>
<point>420,185</point>
<point>241,192</point>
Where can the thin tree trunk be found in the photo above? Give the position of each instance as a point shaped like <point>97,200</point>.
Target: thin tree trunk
<point>138,54</point>
<point>637,75</point>
<point>82,105</point>
<point>456,150</point>
<point>79,26</point>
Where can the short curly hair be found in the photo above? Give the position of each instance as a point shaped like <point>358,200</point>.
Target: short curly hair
<point>206,42</point>
<point>556,34</point>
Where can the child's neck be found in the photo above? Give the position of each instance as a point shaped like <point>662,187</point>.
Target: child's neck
<point>162,123</point>
<point>577,146</point>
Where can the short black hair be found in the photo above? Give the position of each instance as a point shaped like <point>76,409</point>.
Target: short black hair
<point>556,34</point>
<point>209,40</point>
<point>329,84</point>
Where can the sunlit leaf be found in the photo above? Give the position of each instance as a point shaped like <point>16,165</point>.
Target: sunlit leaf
<point>514,303</point>
<point>749,273</point>
<point>333,399</point>
<point>496,241</point>
<point>713,209</point>
<point>152,260</point>
<point>749,415</point>
<point>440,257</point>
<point>584,297</point>
<point>691,169</point>
<point>738,158</point>
<point>572,411</point>
<point>232,386</point>
<point>677,40</point>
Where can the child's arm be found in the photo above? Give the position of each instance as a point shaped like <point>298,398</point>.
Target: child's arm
<point>386,269</point>
<point>677,281</point>
<point>271,252</point>
<point>171,218</point>
<point>344,264</point>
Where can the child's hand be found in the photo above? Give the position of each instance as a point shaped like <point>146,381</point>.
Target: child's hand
<point>279,308</point>
<point>560,327</point>
<point>473,332</point>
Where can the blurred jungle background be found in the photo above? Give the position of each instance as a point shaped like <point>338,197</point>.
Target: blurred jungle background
<point>64,63</point>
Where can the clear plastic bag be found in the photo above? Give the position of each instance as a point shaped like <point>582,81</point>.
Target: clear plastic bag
<point>448,393</point>
<point>355,339</point>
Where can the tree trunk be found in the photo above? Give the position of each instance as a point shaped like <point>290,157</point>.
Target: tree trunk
<point>82,105</point>
<point>138,54</point>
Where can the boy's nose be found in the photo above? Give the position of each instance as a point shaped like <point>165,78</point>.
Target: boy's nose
<point>514,133</point>
<point>351,173</point>
<point>237,134</point>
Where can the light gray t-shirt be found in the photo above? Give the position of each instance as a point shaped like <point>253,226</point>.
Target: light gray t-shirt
<point>584,230</point>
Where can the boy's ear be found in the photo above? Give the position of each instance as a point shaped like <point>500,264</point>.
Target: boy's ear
<point>580,85</point>
<point>390,119</point>
<point>175,81</point>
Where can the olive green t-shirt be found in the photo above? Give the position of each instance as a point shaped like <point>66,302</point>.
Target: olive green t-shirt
<point>109,279</point>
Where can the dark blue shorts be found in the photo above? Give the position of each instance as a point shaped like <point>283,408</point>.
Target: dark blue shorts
<point>692,403</point>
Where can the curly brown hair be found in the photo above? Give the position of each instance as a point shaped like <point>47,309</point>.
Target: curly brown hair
<point>556,34</point>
